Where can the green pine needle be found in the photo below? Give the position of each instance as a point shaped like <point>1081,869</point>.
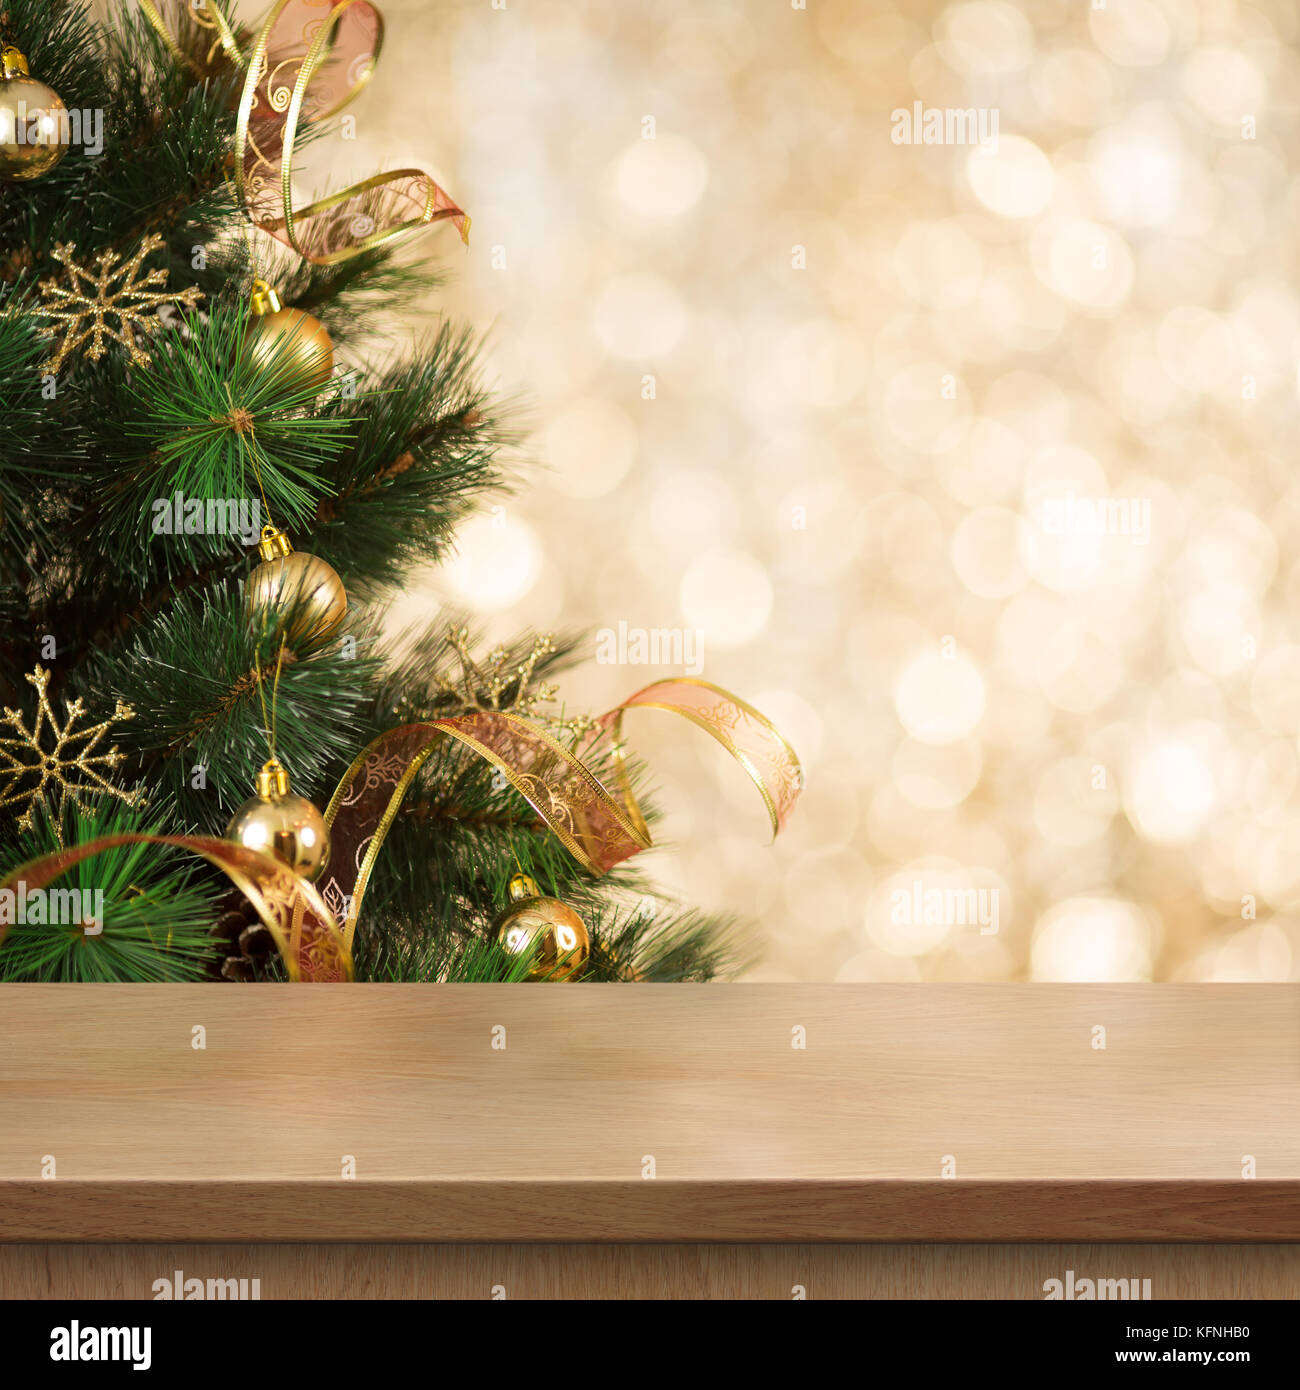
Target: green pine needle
<point>213,422</point>
<point>157,911</point>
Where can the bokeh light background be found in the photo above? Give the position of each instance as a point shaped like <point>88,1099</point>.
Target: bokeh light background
<point>875,366</point>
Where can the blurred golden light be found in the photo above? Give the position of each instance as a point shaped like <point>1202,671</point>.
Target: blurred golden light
<point>497,562</point>
<point>1084,261</point>
<point>936,777</point>
<point>690,509</point>
<point>1216,628</point>
<point>1196,348</point>
<point>661,178</point>
<point>939,698</point>
<point>1259,954</point>
<point>985,36</point>
<point>938,264</point>
<point>926,407</point>
<point>1038,639</point>
<point>876,420</point>
<point>1072,805</point>
<point>1073,84</point>
<point>727,597</point>
<point>897,920</point>
<point>1136,173</point>
<point>639,316</point>
<point>1275,689</point>
<point>986,550</point>
<point>1014,179</point>
<point>1225,85</point>
<point>589,448</point>
<point>1171,791</point>
<point>1093,940</point>
<point>821,364</point>
<point>1133,34</point>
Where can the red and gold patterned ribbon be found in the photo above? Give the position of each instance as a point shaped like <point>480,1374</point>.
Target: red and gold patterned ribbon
<point>308,60</point>
<point>750,737</point>
<point>301,925</point>
<point>597,827</point>
<point>560,788</point>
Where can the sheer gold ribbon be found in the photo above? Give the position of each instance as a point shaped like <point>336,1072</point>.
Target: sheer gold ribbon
<point>302,926</point>
<point>307,62</point>
<point>750,737</point>
<point>597,827</point>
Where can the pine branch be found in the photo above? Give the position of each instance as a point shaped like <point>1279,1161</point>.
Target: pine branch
<point>156,907</point>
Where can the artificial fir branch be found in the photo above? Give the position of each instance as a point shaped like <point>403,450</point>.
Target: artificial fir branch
<point>241,690</point>
<point>157,906</point>
<point>194,667</point>
<point>121,622</point>
<point>165,136</point>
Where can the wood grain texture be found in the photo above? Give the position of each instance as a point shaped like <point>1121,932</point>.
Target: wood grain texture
<point>336,1272</point>
<point>547,1139</point>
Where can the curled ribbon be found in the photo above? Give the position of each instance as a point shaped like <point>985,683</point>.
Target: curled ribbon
<point>308,60</point>
<point>750,737</point>
<point>301,925</point>
<point>599,829</point>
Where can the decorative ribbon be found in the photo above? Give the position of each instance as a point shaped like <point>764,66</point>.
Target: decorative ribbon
<point>599,829</point>
<point>750,737</point>
<point>300,923</point>
<point>309,59</point>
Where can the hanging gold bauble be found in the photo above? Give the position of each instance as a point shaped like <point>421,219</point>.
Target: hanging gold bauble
<point>34,130</point>
<point>279,823</point>
<point>545,928</point>
<point>288,341</point>
<point>303,592</point>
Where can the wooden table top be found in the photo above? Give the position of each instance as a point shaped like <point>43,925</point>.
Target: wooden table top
<point>617,1112</point>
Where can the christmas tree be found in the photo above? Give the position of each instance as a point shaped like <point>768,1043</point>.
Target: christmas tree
<point>215,470</point>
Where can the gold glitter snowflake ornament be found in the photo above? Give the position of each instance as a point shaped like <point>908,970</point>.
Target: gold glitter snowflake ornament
<point>70,769</point>
<point>504,683</point>
<point>81,307</point>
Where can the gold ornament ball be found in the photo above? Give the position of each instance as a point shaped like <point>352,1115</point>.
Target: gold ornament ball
<point>288,341</point>
<point>546,926</point>
<point>302,592</point>
<point>34,131</point>
<point>277,822</point>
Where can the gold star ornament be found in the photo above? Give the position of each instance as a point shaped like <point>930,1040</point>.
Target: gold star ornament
<point>70,769</point>
<point>111,301</point>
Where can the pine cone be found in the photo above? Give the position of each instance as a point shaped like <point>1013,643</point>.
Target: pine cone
<point>247,948</point>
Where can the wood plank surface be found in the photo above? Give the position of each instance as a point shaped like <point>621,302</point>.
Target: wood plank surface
<point>616,1113</point>
<point>608,1271</point>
